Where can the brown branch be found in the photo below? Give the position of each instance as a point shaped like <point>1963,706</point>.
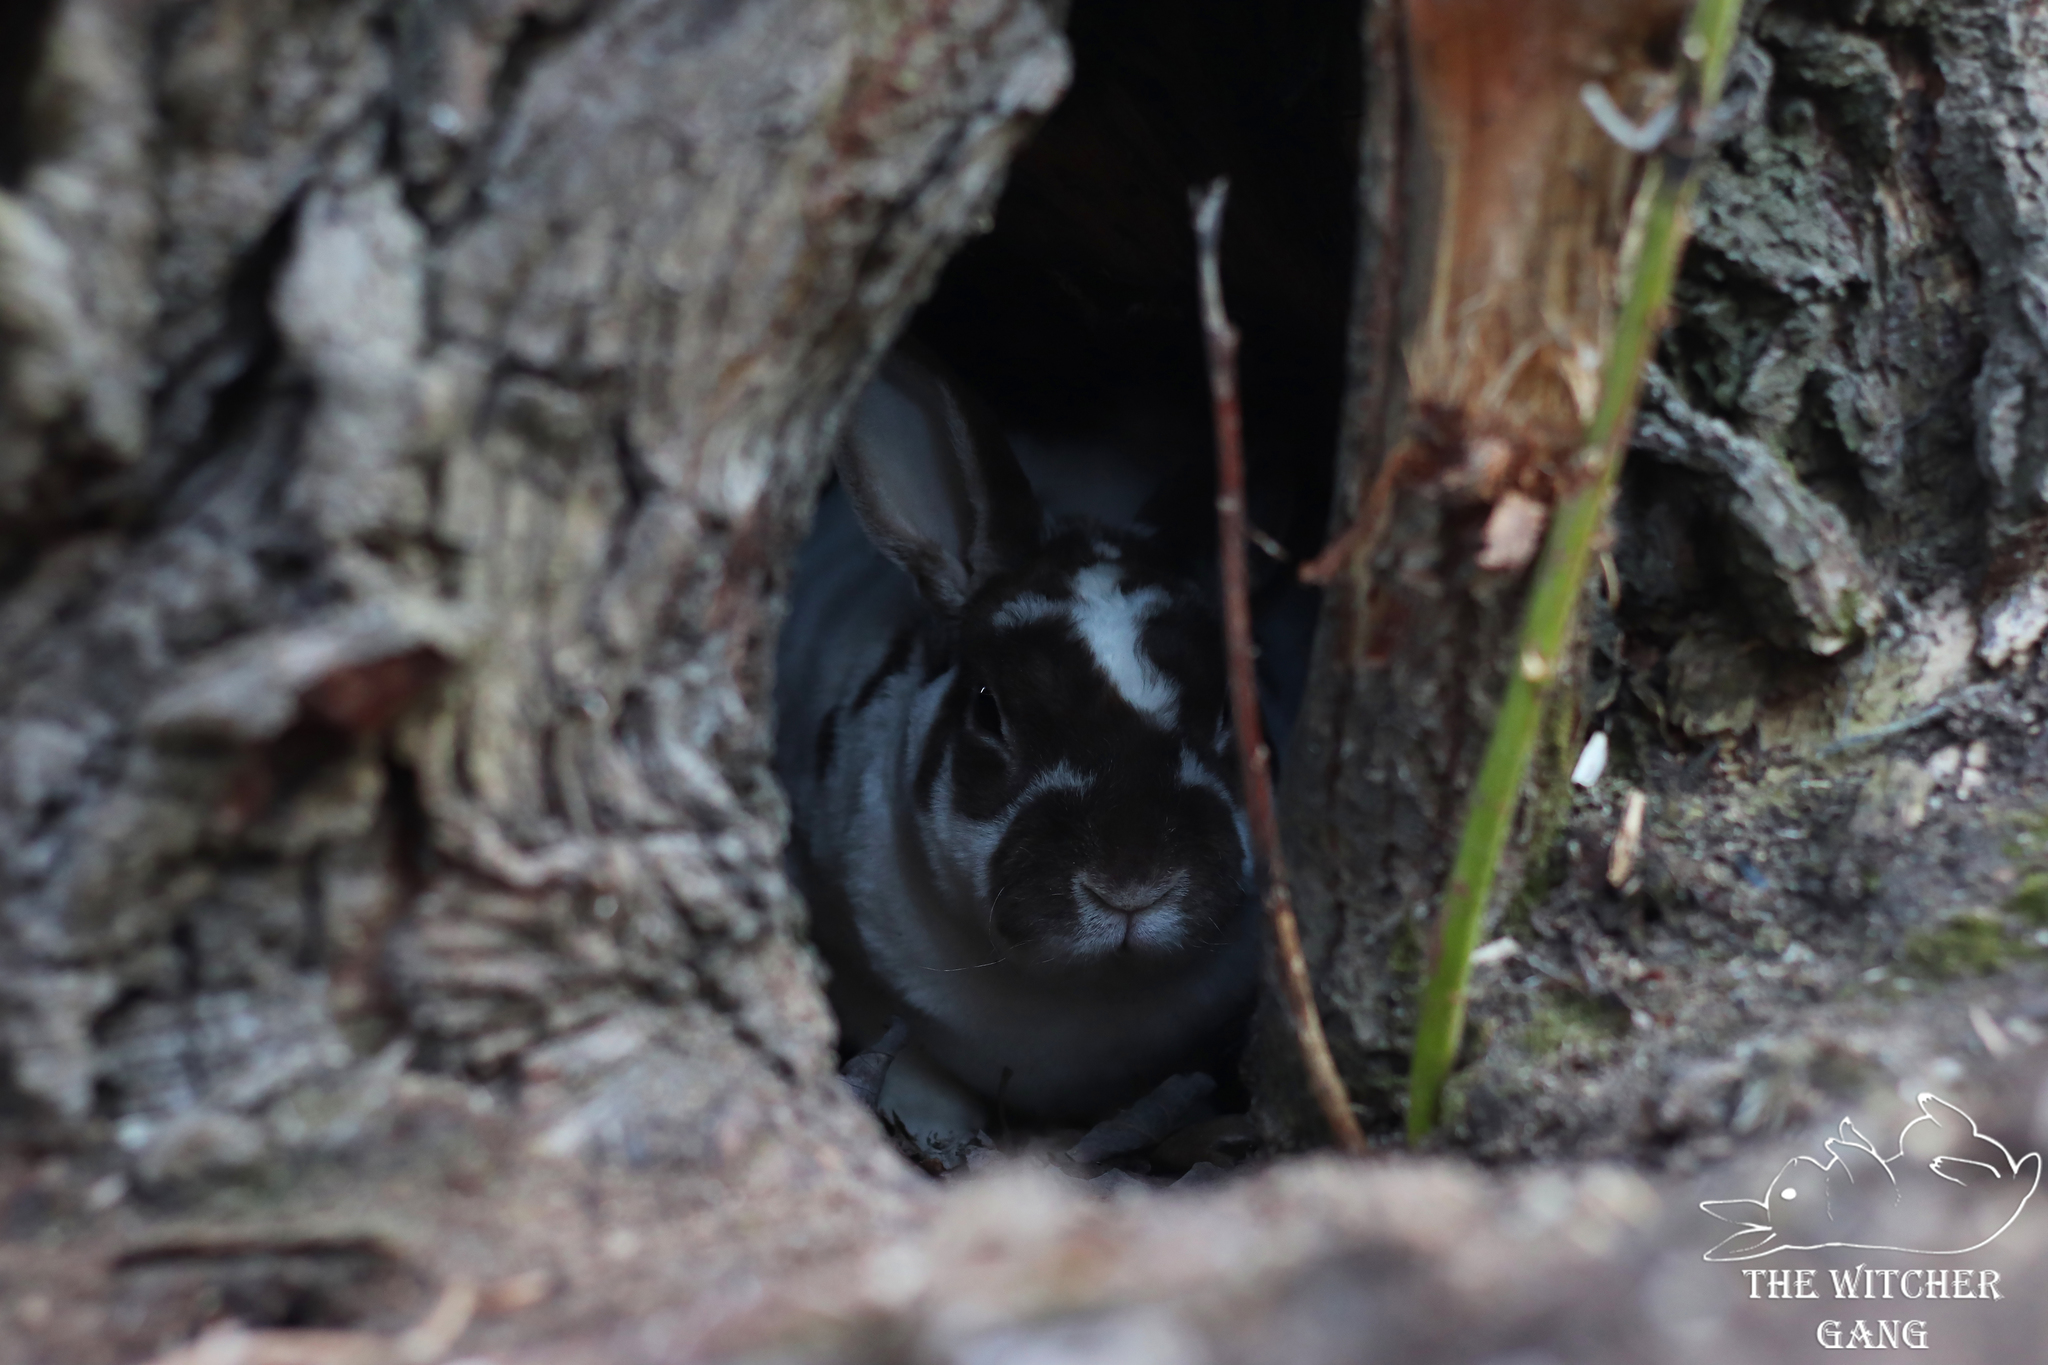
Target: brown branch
<point>1254,758</point>
<point>1362,536</point>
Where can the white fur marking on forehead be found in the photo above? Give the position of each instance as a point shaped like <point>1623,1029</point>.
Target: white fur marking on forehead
<point>1112,622</point>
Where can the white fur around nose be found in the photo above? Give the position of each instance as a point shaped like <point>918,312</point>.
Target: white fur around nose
<point>1110,620</point>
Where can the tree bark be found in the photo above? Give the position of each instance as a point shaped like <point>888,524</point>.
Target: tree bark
<point>1829,525</point>
<point>407,414</point>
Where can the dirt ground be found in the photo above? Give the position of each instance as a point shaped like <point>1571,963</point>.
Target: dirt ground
<point>1844,894</point>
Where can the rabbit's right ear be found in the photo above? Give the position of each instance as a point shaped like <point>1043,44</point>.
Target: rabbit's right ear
<point>935,484</point>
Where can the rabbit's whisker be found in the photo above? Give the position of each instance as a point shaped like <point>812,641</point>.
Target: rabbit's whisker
<point>973,966</point>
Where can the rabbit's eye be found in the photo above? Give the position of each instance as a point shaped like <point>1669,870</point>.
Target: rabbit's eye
<point>986,715</point>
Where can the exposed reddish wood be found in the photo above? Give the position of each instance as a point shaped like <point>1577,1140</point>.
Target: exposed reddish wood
<point>367,698</point>
<point>1527,202</point>
<point>1533,201</point>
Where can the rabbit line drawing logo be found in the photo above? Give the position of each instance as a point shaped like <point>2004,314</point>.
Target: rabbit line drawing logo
<point>1943,1159</point>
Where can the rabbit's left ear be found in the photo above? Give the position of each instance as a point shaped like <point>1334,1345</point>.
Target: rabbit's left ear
<point>935,484</point>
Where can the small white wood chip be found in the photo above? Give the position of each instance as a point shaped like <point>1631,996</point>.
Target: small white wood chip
<point>1976,766</point>
<point>1610,577</point>
<point>1592,760</point>
<point>2015,625</point>
<point>1500,950</point>
<point>1514,533</point>
<point>1621,863</point>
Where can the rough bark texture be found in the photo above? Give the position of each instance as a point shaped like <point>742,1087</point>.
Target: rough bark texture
<point>1831,525</point>
<point>412,407</point>
<point>406,413</point>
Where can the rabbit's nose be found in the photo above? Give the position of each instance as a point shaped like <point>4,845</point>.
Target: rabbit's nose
<point>1131,898</point>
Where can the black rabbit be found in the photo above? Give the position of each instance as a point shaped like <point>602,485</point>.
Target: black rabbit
<point>1009,762</point>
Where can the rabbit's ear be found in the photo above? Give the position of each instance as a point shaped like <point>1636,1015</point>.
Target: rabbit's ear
<point>935,484</point>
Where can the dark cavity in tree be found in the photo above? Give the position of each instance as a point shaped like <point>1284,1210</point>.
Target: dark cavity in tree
<point>1080,305</point>
<point>24,24</point>
<point>1075,318</point>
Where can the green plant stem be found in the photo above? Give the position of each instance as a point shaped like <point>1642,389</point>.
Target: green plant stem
<point>1567,550</point>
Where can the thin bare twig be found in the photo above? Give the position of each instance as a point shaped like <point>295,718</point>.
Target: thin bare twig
<point>1254,758</point>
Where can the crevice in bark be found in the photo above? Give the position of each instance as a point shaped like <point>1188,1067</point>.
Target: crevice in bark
<point>218,397</point>
<point>214,399</point>
<point>315,1283</point>
<point>422,33</point>
<point>635,477</point>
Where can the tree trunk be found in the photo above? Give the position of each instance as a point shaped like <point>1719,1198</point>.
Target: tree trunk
<point>1819,609</point>
<point>406,418</point>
